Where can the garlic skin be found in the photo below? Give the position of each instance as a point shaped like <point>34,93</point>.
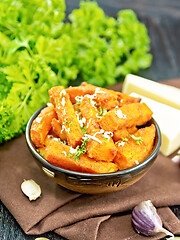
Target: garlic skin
<point>146,220</point>
<point>31,189</point>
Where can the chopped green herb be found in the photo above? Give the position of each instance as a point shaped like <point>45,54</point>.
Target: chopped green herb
<point>66,122</point>
<point>70,122</point>
<point>37,150</point>
<point>78,102</point>
<point>102,111</point>
<point>59,140</point>
<point>84,130</point>
<point>80,150</point>
<point>137,139</point>
<point>97,105</point>
<point>105,138</point>
<point>41,154</point>
<point>124,139</point>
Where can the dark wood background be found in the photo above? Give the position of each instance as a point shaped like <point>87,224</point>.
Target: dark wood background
<point>162,18</point>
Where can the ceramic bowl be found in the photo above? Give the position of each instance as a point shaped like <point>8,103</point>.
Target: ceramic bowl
<point>94,183</point>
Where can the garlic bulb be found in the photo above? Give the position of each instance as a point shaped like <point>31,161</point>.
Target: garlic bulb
<point>31,189</point>
<point>146,220</point>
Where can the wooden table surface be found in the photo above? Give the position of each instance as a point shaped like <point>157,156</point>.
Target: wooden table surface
<point>162,18</point>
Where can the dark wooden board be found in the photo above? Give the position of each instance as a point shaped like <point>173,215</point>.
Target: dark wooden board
<point>162,18</point>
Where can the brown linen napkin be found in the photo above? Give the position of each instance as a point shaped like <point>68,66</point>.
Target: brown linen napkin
<point>79,216</point>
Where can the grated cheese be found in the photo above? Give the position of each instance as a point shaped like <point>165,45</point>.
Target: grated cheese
<point>97,115</point>
<point>49,104</point>
<point>64,153</point>
<point>63,101</point>
<point>98,91</point>
<point>79,98</point>
<point>53,138</point>
<point>38,119</point>
<point>63,92</point>
<point>72,150</point>
<point>121,144</point>
<point>65,129</point>
<point>86,136</point>
<point>89,123</point>
<point>120,114</point>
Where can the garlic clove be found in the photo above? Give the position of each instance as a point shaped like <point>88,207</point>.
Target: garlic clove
<point>176,159</point>
<point>146,220</point>
<point>31,189</point>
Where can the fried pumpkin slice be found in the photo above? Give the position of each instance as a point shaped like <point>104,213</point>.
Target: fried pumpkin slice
<point>57,129</point>
<point>98,146</point>
<point>123,133</point>
<point>129,115</point>
<point>66,115</point>
<point>105,98</point>
<point>42,125</point>
<point>136,149</point>
<point>101,147</point>
<point>58,154</point>
<point>90,113</point>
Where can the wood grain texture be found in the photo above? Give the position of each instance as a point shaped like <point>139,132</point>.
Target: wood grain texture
<point>162,18</point>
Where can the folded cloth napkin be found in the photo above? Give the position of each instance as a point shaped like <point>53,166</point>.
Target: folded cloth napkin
<point>80,216</point>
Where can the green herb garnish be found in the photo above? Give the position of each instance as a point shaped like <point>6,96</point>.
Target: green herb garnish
<point>84,130</point>
<point>137,139</point>
<point>78,102</point>
<point>69,122</point>
<point>80,149</point>
<point>59,140</point>
<point>41,154</point>
<point>124,139</point>
<point>102,111</point>
<point>97,105</point>
<point>66,122</point>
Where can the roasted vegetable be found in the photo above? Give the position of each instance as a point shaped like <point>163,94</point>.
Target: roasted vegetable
<point>58,154</point>
<point>133,150</point>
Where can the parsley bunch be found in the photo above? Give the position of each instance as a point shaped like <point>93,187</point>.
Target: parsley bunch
<point>39,49</point>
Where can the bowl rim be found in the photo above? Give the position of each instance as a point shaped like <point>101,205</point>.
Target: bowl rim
<point>52,167</point>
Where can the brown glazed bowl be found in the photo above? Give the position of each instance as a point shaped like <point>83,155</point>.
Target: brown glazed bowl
<point>94,183</point>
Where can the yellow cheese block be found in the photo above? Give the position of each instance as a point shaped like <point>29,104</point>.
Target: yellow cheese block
<point>157,91</point>
<point>168,119</point>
